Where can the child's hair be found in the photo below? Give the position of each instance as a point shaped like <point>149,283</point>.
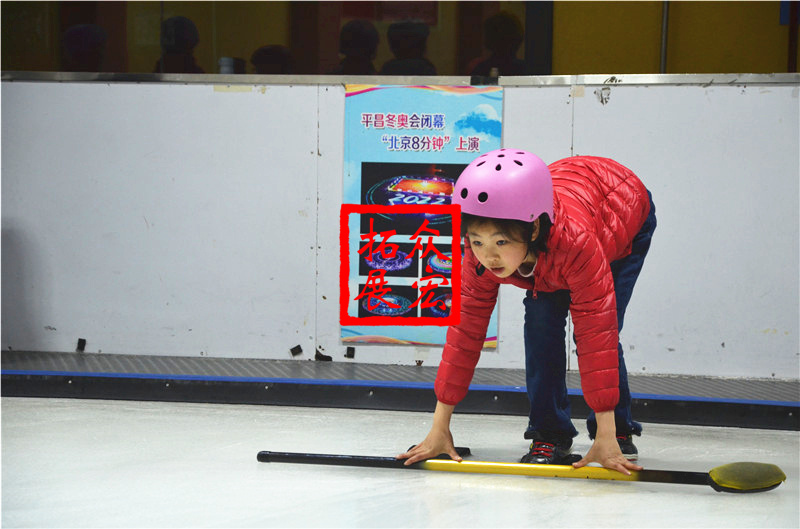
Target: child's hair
<point>515,230</point>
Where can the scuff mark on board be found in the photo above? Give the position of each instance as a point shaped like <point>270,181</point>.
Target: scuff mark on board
<point>603,95</point>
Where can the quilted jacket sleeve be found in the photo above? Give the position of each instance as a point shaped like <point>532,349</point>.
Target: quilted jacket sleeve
<point>465,340</point>
<point>594,315</point>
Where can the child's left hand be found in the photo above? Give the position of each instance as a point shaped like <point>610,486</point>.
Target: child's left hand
<point>606,452</point>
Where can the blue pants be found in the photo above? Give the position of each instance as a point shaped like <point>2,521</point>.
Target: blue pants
<point>546,356</point>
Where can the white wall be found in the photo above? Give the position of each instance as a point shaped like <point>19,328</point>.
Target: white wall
<point>203,219</point>
<point>159,219</point>
<point>720,292</point>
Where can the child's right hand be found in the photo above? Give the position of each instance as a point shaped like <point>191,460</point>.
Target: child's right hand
<point>437,442</point>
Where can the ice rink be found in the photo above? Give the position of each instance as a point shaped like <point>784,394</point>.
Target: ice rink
<point>92,463</point>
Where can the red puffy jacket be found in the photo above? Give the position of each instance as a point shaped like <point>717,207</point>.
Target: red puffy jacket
<point>599,206</point>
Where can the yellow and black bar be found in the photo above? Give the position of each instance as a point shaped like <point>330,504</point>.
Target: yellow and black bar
<point>733,477</point>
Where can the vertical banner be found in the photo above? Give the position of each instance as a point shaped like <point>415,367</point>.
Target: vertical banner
<point>400,241</point>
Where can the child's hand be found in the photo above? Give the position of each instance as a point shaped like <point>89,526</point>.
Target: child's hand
<point>606,452</point>
<point>437,442</point>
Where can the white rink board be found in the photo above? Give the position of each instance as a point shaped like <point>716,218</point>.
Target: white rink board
<point>158,219</point>
<point>719,290</point>
<point>193,219</point>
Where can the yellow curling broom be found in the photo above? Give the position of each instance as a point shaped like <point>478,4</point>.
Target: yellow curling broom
<point>733,477</point>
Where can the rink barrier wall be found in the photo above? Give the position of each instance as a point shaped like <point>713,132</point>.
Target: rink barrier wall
<point>693,400</point>
<point>371,384</point>
<point>135,207</point>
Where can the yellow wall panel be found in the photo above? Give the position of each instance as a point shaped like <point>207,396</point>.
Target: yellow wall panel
<point>144,32</point>
<point>243,27</point>
<point>606,37</point>
<point>30,36</point>
<point>589,37</point>
<point>227,29</point>
<point>730,37</point>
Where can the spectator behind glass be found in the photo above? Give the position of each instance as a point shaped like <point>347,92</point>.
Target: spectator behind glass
<point>502,36</point>
<point>83,48</point>
<point>179,37</point>
<point>272,60</point>
<point>408,41</point>
<point>358,42</point>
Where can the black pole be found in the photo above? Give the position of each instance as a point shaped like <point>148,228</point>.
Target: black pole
<point>653,476</point>
<point>733,477</point>
<point>791,65</point>
<point>330,459</point>
<point>539,37</point>
<point>664,34</point>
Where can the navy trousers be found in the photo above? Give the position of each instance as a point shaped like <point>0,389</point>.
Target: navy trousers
<point>546,356</point>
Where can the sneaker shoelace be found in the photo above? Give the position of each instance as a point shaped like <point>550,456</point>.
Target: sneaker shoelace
<point>540,448</point>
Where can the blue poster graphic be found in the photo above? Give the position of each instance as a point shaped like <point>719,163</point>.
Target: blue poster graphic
<point>407,145</point>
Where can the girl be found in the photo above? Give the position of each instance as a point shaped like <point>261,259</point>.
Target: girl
<point>574,235</point>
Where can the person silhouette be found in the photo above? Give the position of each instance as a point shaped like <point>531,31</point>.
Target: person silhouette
<point>179,37</point>
<point>83,48</point>
<point>358,42</point>
<point>502,35</point>
<point>272,59</point>
<point>407,41</point>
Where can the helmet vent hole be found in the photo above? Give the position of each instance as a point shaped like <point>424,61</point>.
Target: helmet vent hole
<point>464,193</point>
<point>500,155</point>
<point>483,197</point>
<point>518,162</point>
<point>481,163</point>
<point>498,168</point>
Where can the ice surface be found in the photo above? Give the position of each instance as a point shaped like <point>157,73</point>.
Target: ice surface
<point>91,463</point>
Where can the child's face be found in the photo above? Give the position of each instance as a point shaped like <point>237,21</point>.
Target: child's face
<point>496,251</point>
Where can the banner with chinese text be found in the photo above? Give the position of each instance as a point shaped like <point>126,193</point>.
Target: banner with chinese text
<point>400,243</point>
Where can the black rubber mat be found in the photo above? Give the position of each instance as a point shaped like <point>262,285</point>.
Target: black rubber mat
<point>671,399</point>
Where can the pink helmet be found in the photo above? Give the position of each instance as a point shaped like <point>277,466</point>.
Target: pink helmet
<point>505,184</point>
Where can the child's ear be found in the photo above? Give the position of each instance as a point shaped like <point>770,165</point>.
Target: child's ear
<point>535,233</point>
